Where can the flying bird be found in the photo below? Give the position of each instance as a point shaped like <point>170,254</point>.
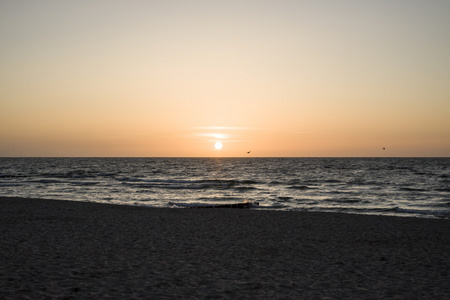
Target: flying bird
<point>249,152</point>
<point>384,148</point>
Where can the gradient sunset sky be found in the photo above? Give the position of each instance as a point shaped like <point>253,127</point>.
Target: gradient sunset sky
<point>172,78</point>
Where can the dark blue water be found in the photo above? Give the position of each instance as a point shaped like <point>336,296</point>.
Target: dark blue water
<point>418,187</point>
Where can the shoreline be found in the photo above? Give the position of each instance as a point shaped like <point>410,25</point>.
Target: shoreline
<point>84,250</point>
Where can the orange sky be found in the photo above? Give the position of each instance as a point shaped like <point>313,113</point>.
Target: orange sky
<point>171,78</point>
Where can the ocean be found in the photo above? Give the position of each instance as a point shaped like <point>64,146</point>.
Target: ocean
<point>416,187</point>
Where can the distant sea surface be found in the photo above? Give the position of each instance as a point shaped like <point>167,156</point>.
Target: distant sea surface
<point>418,187</point>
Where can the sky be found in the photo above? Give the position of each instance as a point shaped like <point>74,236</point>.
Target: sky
<point>277,78</point>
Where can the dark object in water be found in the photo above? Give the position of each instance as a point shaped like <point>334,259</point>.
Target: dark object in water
<point>232,205</point>
<point>246,204</point>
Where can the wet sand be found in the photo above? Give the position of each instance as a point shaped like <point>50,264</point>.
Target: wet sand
<point>77,250</point>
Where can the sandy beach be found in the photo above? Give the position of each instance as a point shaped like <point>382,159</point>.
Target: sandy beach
<point>78,250</point>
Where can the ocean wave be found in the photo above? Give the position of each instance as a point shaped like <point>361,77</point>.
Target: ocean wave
<point>408,189</point>
<point>10,184</point>
<point>283,198</point>
<point>70,174</point>
<point>245,188</point>
<point>220,199</point>
<point>436,213</point>
<point>345,200</point>
<point>85,183</point>
<point>300,187</point>
<point>69,181</point>
<point>190,184</point>
<point>445,204</point>
<point>341,192</point>
<point>7,176</point>
<point>47,181</point>
<point>275,182</point>
<point>273,205</point>
<point>363,183</point>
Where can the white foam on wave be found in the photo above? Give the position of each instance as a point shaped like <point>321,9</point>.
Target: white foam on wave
<point>422,212</point>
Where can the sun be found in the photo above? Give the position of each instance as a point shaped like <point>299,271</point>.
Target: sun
<point>218,145</point>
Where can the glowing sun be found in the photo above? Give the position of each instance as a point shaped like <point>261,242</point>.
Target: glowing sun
<point>218,145</point>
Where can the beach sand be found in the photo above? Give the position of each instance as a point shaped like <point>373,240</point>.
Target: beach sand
<point>77,250</point>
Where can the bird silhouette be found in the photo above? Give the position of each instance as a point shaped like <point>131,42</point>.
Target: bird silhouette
<point>249,152</point>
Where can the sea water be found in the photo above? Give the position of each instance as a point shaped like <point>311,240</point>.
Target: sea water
<point>418,187</point>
